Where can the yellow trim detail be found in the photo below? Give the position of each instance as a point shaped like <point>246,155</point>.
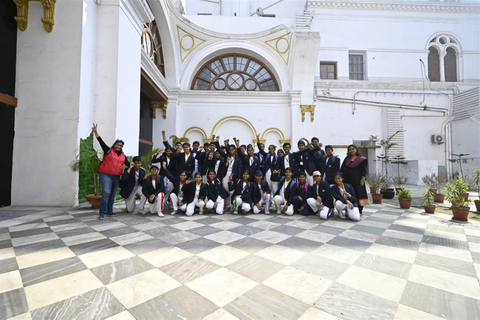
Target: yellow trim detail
<point>184,34</point>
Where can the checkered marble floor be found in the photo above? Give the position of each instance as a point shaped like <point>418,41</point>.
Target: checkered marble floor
<point>63,263</point>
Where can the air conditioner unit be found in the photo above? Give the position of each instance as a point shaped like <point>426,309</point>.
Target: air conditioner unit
<point>438,139</point>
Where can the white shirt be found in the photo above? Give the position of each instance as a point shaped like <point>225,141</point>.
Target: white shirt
<point>287,161</point>
<point>154,183</point>
<point>197,190</point>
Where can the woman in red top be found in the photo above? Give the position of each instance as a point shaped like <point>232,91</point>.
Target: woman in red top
<point>110,171</point>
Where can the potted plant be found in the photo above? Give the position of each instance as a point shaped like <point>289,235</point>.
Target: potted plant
<point>439,183</point>
<point>405,198</point>
<point>428,204</point>
<point>477,183</point>
<point>87,163</point>
<point>377,198</point>
<point>398,181</point>
<point>454,192</point>
<point>388,193</point>
<point>431,182</point>
<point>374,181</point>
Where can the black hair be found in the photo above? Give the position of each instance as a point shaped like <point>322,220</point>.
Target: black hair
<point>185,144</point>
<point>339,174</point>
<point>289,169</point>
<point>232,146</point>
<point>281,150</point>
<point>328,146</point>
<point>198,174</point>
<point>314,138</point>
<point>287,144</point>
<point>302,174</point>
<point>118,141</point>
<point>246,171</point>
<point>243,146</point>
<point>178,143</point>
<point>300,142</point>
<point>196,142</point>
<point>206,144</point>
<point>136,158</point>
<point>352,145</point>
<point>272,145</point>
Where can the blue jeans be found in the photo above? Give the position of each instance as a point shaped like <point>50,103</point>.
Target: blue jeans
<point>109,185</point>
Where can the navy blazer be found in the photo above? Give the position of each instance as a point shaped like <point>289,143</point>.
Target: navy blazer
<point>148,188</point>
<point>127,181</point>
<point>171,164</point>
<point>338,195</point>
<point>187,164</point>
<point>329,168</point>
<point>281,164</point>
<point>307,156</point>
<point>189,192</point>
<point>269,162</point>
<point>239,190</point>
<point>289,191</point>
<point>323,191</point>
<point>258,191</point>
<point>215,189</point>
<point>237,165</point>
<point>251,168</point>
<point>222,170</point>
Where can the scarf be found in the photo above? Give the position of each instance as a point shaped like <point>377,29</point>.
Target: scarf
<point>355,163</point>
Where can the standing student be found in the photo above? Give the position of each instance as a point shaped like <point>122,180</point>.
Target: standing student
<point>270,164</point>
<point>110,170</point>
<point>186,160</point>
<point>309,161</point>
<point>329,165</point>
<point>201,157</point>
<point>259,154</point>
<point>286,161</point>
<point>345,200</point>
<point>242,193</point>
<point>261,194</point>
<point>153,189</point>
<point>283,197</point>
<point>131,184</point>
<point>320,197</point>
<point>354,169</point>
<point>299,155</point>
<point>233,165</point>
<point>250,161</point>
<point>216,194</point>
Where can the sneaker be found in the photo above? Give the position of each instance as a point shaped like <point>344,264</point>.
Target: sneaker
<point>112,214</point>
<point>342,215</point>
<point>173,212</point>
<point>200,211</point>
<point>101,217</point>
<point>160,214</point>
<point>267,212</point>
<point>279,211</point>
<point>235,211</point>
<point>142,211</point>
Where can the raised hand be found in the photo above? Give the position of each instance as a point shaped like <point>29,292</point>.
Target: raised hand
<point>94,129</point>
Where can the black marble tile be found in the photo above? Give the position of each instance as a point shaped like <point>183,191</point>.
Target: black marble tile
<point>287,230</point>
<point>7,265</point>
<point>13,303</point>
<point>251,245</point>
<point>407,229</point>
<point>198,245</point>
<point>368,229</point>
<point>301,244</point>
<point>473,239</point>
<point>350,243</point>
<point>205,231</point>
<point>6,244</point>
<point>328,229</point>
<point>118,270</point>
<point>17,213</point>
<point>446,242</point>
<point>209,220</point>
<point>40,246</point>
<point>92,246</point>
<point>246,230</point>
<point>30,232</point>
<point>161,231</point>
<point>146,246</point>
<point>446,264</point>
<point>278,220</point>
<point>51,270</point>
<point>398,243</point>
<point>118,231</point>
<point>244,220</point>
<point>74,232</point>
<point>61,222</point>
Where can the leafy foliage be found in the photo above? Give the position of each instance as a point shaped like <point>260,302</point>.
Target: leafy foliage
<point>454,192</point>
<point>87,163</point>
<point>405,194</point>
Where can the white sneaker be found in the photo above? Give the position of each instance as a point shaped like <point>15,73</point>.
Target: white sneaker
<point>235,211</point>
<point>267,212</point>
<point>279,211</point>
<point>173,212</point>
<point>160,214</point>
<point>342,215</point>
<point>142,211</point>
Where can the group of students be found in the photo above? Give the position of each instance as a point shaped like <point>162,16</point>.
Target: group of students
<point>235,177</point>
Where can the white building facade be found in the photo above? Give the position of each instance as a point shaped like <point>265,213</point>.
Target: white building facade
<point>342,71</point>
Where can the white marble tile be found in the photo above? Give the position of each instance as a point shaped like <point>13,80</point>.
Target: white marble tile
<point>298,284</point>
<point>23,316</point>
<point>164,256</point>
<point>98,258</point>
<point>474,231</point>
<point>475,247</point>
<point>58,218</point>
<point>358,235</point>
<point>10,281</point>
<point>224,237</point>
<point>142,287</point>
<point>83,238</point>
<point>7,253</point>
<point>220,314</point>
<point>187,225</point>
<point>394,253</point>
<point>411,223</point>
<point>4,236</point>
<point>317,314</point>
<point>34,239</point>
<point>225,225</point>
<point>37,258</point>
<point>375,224</point>
<point>131,238</point>
<point>408,313</point>
<point>222,286</point>
<point>270,236</point>
<point>442,251</point>
<point>68,226</point>
<point>223,255</point>
<point>301,224</point>
<point>338,224</point>
<point>124,315</point>
<point>448,281</point>
<point>337,253</point>
<point>446,235</point>
<point>60,288</point>
<point>477,269</point>
<point>148,226</point>
<point>281,254</point>
<point>373,282</point>
<point>403,235</point>
<point>266,225</point>
<point>109,226</point>
<point>28,226</point>
<point>315,236</point>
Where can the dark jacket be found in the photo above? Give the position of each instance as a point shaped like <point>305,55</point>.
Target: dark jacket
<point>289,190</point>
<point>239,190</point>
<point>189,192</point>
<point>148,188</point>
<point>254,167</point>
<point>171,164</point>
<point>222,170</point>
<point>301,189</point>
<point>127,181</point>
<point>269,162</point>
<point>237,165</point>
<point>185,163</point>
<point>323,191</point>
<point>308,158</point>
<point>215,189</point>
<point>292,163</point>
<point>258,191</point>
<point>329,168</point>
<point>338,195</point>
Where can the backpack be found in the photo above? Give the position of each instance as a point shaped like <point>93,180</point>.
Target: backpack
<point>306,186</point>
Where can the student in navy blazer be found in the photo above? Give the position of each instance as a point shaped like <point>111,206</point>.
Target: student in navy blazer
<point>270,163</point>
<point>242,193</point>
<point>286,161</point>
<point>216,194</point>
<point>153,189</point>
<point>261,194</point>
<point>300,195</point>
<point>320,197</point>
<point>250,161</point>
<point>309,161</point>
<point>329,165</point>
<point>283,196</point>
<point>345,199</point>
<point>131,183</point>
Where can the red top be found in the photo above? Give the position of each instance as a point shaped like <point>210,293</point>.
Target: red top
<point>112,163</point>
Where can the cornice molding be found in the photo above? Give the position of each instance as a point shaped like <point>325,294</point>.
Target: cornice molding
<point>396,6</point>
<point>414,84</point>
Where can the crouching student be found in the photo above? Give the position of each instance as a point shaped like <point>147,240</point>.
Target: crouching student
<point>283,197</point>
<point>154,190</point>
<point>131,184</point>
<point>300,195</point>
<point>261,194</point>
<point>194,194</point>
<point>216,194</point>
<point>178,193</point>
<point>345,200</point>
<point>242,193</point>
<point>320,197</point>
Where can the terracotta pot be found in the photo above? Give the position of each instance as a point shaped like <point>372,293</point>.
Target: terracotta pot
<point>397,190</point>
<point>377,198</point>
<point>94,200</point>
<point>429,208</point>
<point>477,204</point>
<point>465,196</point>
<point>389,193</point>
<point>439,197</point>
<point>433,191</point>
<point>460,213</point>
<point>405,203</point>
<point>373,190</point>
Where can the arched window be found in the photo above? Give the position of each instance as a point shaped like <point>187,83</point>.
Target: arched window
<point>443,58</point>
<point>234,72</point>
<point>152,43</point>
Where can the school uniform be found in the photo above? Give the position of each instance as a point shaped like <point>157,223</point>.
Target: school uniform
<point>329,167</point>
<point>269,165</point>
<point>324,206</point>
<point>250,163</point>
<point>131,184</point>
<point>193,196</point>
<point>216,193</point>
<point>178,195</point>
<point>299,198</point>
<point>261,159</point>
<point>157,188</point>
<point>307,158</point>
<point>341,202</point>
<point>242,195</point>
<point>287,161</point>
<point>258,190</point>
<point>185,162</point>
<point>284,196</point>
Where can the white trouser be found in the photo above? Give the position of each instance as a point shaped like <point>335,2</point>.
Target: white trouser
<point>130,201</point>
<point>168,187</point>
<point>309,179</point>
<point>316,205</point>
<point>220,205</point>
<point>225,186</point>
<point>239,204</point>
<point>191,206</point>
<point>176,201</point>
<point>157,205</point>
<point>353,214</point>
<point>273,185</point>
<point>280,202</point>
<point>263,202</point>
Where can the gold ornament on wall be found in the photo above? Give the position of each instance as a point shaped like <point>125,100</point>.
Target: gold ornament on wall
<point>159,105</point>
<point>304,108</point>
<point>187,42</point>
<point>281,45</point>
<point>48,19</point>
